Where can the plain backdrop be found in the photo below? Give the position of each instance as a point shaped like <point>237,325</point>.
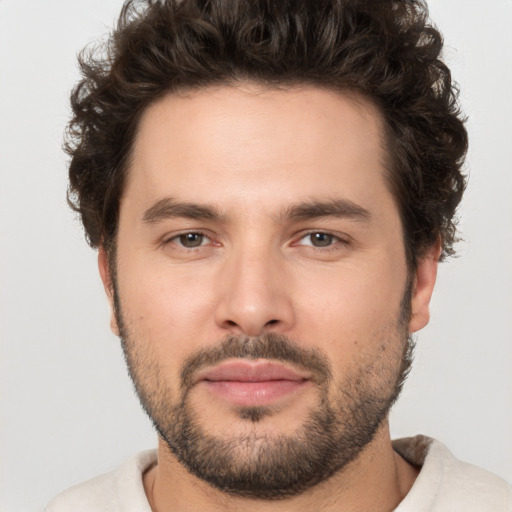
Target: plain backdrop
<point>68,411</point>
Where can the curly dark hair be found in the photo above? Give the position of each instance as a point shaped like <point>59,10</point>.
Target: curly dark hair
<point>386,51</point>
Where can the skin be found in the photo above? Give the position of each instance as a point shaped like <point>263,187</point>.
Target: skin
<point>252,153</point>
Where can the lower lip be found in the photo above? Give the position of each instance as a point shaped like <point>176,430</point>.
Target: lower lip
<point>253,394</point>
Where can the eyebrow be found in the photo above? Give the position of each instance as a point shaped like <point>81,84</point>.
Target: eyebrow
<point>340,208</point>
<point>169,208</point>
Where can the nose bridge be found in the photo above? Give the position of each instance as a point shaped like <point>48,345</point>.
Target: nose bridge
<point>255,296</point>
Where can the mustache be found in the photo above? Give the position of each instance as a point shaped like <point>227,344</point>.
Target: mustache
<point>274,346</point>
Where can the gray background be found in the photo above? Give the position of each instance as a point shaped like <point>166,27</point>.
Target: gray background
<point>68,411</point>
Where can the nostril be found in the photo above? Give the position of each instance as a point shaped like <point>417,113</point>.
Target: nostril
<point>272,322</point>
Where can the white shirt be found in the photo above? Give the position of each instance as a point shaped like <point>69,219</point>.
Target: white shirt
<point>444,484</point>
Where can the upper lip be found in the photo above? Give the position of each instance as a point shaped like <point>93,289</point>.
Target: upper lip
<point>242,370</point>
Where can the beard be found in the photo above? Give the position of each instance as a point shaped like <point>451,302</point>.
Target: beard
<point>259,463</point>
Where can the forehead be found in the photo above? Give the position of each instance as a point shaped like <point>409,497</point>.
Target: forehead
<point>265,146</point>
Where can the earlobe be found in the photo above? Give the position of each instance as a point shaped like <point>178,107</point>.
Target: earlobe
<point>424,281</point>
<point>106,278</point>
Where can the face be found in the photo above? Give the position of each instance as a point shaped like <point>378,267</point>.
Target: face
<point>260,283</point>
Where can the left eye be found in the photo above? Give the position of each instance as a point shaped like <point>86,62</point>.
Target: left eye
<point>319,239</point>
<point>191,240</point>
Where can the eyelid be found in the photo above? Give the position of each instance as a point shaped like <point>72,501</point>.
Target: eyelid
<point>167,239</point>
<point>338,237</point>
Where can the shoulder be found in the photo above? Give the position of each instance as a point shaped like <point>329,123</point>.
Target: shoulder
<point>448,484</point>
<point>121,489</point>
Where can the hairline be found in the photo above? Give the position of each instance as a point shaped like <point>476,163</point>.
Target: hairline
<point>357,98</point>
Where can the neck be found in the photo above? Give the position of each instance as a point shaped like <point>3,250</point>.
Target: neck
<point>377,481</point>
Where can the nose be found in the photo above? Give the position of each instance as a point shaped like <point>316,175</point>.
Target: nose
<point>254,295</point>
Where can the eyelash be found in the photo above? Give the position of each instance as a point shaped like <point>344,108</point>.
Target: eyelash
<point>176,238</point>
<point>334,245</point>
<point>335,240</point>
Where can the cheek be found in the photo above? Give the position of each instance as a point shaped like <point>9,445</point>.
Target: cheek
<point>169,310</point>
<point>346,308</point>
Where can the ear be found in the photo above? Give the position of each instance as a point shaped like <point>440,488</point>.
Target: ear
<point>423,286</point>
<point>108,285</point>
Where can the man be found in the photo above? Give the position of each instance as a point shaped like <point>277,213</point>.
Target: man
<point>270,186</point>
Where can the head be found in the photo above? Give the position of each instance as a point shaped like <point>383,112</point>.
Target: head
<point>384,51</point>
<point>270,185</point>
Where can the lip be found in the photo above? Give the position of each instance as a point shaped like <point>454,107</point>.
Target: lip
<point>252,383</point>
<point>251,371</point>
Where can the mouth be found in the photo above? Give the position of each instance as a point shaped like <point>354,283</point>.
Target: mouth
<point>252,383</point>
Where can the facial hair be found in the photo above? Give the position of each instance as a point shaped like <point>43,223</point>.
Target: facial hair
<point>274,466</point>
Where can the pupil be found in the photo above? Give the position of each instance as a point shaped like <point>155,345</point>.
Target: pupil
<point>321,239</point>
<point>191,239</point>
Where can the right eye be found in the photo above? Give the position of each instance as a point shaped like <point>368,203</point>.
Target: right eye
<point>190,240</point>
